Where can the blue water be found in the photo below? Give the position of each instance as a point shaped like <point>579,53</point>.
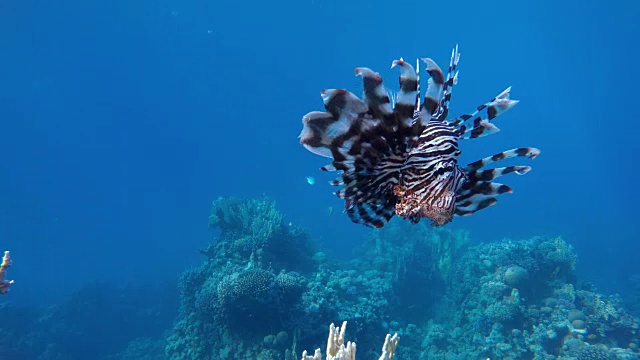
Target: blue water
<point>120,122</point>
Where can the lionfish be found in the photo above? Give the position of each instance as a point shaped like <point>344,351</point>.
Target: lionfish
<point>399,155</point>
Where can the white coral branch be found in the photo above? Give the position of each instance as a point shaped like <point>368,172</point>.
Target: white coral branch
<point>337,350</point>
<point>5,284</point>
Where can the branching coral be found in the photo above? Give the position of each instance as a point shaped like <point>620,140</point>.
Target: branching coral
<point>337,350</point>
<point>6,263</point>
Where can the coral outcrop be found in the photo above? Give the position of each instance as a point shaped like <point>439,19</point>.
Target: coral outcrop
<point>520,300</point>
<point>245,300</point>
<point>4,283</point>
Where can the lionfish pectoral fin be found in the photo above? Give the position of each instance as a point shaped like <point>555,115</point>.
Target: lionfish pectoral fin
<point>479,192</point>
<point>479,195</point>
<point>529,152</point>
<point>490,174</point>
<point>375,95</point>
<point>435,84</point>
<point>374,215</point>
<point>363,137</point>
<point>406,98</point>
<point>313,136</point>
<point>321,129</point>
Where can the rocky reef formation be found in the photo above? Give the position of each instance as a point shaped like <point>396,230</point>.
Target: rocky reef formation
<point>245,299</point>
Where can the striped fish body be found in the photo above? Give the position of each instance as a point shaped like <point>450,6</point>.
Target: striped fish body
<point>430,176</point>
<point>401,157</point>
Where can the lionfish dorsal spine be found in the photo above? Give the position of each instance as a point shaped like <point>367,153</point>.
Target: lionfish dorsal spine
<point>478,123</point>
<point>452,79</point>
<point>417,108</point>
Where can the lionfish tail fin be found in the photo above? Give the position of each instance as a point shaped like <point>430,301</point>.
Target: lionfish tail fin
<point>477,124</point>
<point>478,191</point>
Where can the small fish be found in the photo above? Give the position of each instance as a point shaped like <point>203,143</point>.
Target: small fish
<point>311,180</point>
<point>399,156</point>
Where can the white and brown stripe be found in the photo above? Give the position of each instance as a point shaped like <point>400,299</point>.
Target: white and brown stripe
<point>401,158</point>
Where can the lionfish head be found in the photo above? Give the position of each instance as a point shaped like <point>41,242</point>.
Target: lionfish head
<point>437,207</point>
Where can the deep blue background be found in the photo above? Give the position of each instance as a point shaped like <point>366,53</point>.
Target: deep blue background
<point>120,122</point>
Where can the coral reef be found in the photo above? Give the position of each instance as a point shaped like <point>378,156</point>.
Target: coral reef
<point>6,263</point>
<point>254,229</point>
<point>249,289</point>
<point>519,300</point>
<point>449,300</point>
<point>632,295</point>
<point>337,350</point>
<point>264,290</point>
<point>259,296</point>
